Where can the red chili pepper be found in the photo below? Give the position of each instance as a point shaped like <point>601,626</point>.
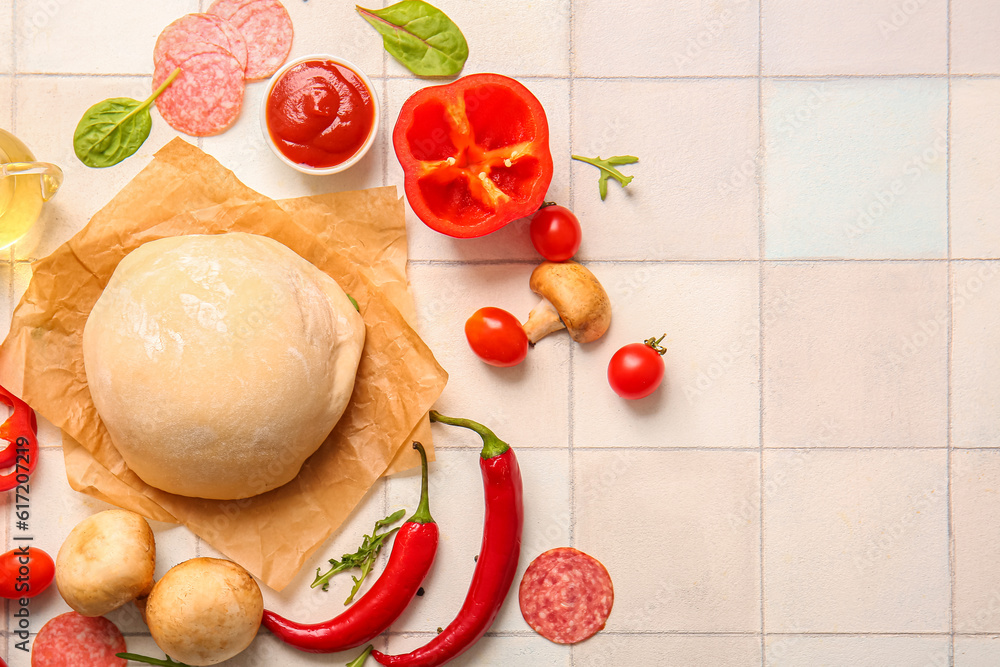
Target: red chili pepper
<point>413,552</point>
<point>21,433</point>
<point>475,154</point>
<point>497,562</point>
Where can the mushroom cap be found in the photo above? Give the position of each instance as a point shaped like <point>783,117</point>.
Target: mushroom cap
<point>107,560</point>
<point>577,296</point>
<point>204,611</point>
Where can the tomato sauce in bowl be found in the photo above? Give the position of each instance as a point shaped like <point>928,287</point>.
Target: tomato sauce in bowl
<point>320,114</point>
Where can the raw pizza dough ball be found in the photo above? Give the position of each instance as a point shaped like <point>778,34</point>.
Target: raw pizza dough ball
<point>220,363</point>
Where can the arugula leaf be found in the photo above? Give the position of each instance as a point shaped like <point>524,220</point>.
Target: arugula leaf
<point>363,558</point>
<point>166,662</point>
<point>607,168</point>
<point>114,129</point>
<point>420,36</point>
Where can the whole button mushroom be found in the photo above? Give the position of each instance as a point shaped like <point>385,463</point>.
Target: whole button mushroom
<point>572,297</point>
<point>204,611</point>
<point>107,560</point>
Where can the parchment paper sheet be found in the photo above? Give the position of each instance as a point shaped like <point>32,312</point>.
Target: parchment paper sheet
<point>356,237</point>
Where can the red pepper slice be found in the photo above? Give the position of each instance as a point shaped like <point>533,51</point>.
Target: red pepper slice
<point>475,154</point>
<point>21,433</point>
<point>413,552</point>
<point>497,562</point>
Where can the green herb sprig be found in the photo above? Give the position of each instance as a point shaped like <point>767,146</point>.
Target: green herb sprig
<point>608,169</point>
<point>165,662</point>
<point>420,36</point>
<point>363,558</point>
<point>114,129</point>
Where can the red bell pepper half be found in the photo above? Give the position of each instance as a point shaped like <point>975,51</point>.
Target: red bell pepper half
<point>21,433</point>
<point>475,154</point>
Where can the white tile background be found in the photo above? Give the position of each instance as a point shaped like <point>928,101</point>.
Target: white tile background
<point>817,481</point>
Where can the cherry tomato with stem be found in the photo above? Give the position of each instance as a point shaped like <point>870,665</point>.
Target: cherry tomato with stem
<point>637,369</point>
<point>555,232</point>
<point>25,575</point>
<point>496,337</point>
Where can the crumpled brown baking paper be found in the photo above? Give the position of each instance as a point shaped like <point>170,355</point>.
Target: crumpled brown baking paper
<point>356,237</point>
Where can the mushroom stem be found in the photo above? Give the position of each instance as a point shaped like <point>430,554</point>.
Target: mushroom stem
<point>542,320</point>
<point>572,298</point>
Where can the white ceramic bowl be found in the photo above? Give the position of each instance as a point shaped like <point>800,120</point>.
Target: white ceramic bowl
<point>320,171</point>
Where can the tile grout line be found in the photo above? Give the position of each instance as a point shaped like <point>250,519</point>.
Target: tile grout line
<point>570,396</point>
<point>13,77</point>
<point>754,261</point>
<point>200,143</point>
<point>695,448</point>
<point>386,154</point>
<point>10,283</point>
<point>627,262</point>
<point>659,633</point>
<point>385,54</point>
<point>13,47</point>
<point>622,78</point>
<point>759,169</point>
<point>949,355</point>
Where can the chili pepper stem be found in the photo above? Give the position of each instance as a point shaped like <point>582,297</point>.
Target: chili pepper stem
<point>360,660</point>
<point>423,513</point>
<point>492,445</point>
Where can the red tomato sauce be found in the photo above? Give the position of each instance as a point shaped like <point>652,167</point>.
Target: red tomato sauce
<point>320,114</point>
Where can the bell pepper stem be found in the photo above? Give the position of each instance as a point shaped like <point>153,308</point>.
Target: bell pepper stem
<point>423,513</point>
<point>360,660</point>
<point>492,445</point>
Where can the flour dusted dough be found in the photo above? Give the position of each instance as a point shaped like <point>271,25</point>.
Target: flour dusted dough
<point>219,363</point>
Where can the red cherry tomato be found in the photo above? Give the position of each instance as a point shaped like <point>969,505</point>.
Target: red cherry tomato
<point>555,233</point>
<point>636,370</point>
<point>496,337</point>
<point>25,575</point>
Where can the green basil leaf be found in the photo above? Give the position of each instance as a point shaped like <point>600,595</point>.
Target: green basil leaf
<point>420,36</point>
<point>114,129</point>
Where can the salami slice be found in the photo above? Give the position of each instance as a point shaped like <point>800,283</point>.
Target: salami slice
<point>194,34</point>
<point>267,29</point>
<point>70,639</point>
<point>205,98</point>
<point>237,45</point>
<point>566,595</point>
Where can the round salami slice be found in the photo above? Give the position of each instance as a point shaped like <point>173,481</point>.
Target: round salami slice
<point>205,98</point>
<point>566,595</point>
<point>267,29</point>
<point>71,639</point>
<point>237,45</point>
<point>194,34</point>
